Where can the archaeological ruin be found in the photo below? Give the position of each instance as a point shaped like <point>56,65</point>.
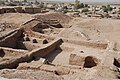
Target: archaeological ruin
<point>59,47</point>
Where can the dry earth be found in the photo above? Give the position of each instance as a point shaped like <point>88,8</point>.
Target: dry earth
<point>59,47</point>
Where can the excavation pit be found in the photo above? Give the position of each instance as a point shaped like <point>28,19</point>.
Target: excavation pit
<point>78,45</point>
<point>89,62</point>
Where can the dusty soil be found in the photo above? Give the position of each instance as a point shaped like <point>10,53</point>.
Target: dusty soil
<point>90,49</point>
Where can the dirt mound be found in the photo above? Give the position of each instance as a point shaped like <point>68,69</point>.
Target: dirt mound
<point>17,18</point>
<point>55,16</point>
<point>20,18</point>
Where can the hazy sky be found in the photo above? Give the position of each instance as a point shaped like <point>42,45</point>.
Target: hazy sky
<point>89,0</point>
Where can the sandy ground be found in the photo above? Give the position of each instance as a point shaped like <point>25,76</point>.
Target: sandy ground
<point>92,28</point>
<point>96,28</point>
<point>17,18</point>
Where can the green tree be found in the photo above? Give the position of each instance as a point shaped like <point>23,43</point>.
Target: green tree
<point>105,10</point>
<point>109,8</point>
<point>81,5</point>
<point>77,4</point>
<point>103,6</point>
<point>36,2</point>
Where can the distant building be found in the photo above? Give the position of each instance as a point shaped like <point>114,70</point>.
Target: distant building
<point>11,9</point>
<point>32,10</point>
<point>7,10</point>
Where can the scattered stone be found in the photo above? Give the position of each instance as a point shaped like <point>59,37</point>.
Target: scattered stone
<point>35,41</point>
<point>45,41</point>
<point>81,51</point>
<point>62,71</point>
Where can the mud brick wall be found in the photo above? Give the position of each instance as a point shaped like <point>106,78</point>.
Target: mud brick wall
<point>40,52</point>
<point>94,44</point>
<point>11,39</point>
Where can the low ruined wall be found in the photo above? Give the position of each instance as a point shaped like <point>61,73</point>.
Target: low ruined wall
<point>37,10</point>
<point>117,46</point>
<point>28,45</point>
<point>43,51</point>
<point>76,60</point>
<point>37,65</point>
<point>101,45</point>
<point>11,39</point>
<point>12,52</point>
<point>7,34</point>
<point>40,52</point>
<point>42,36</point>
<point>84,61</point>
<point>7,10</point>
<point>13,63</point>
<point>32,10</point>
<point>29,10</point>
<point>32,25</point>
